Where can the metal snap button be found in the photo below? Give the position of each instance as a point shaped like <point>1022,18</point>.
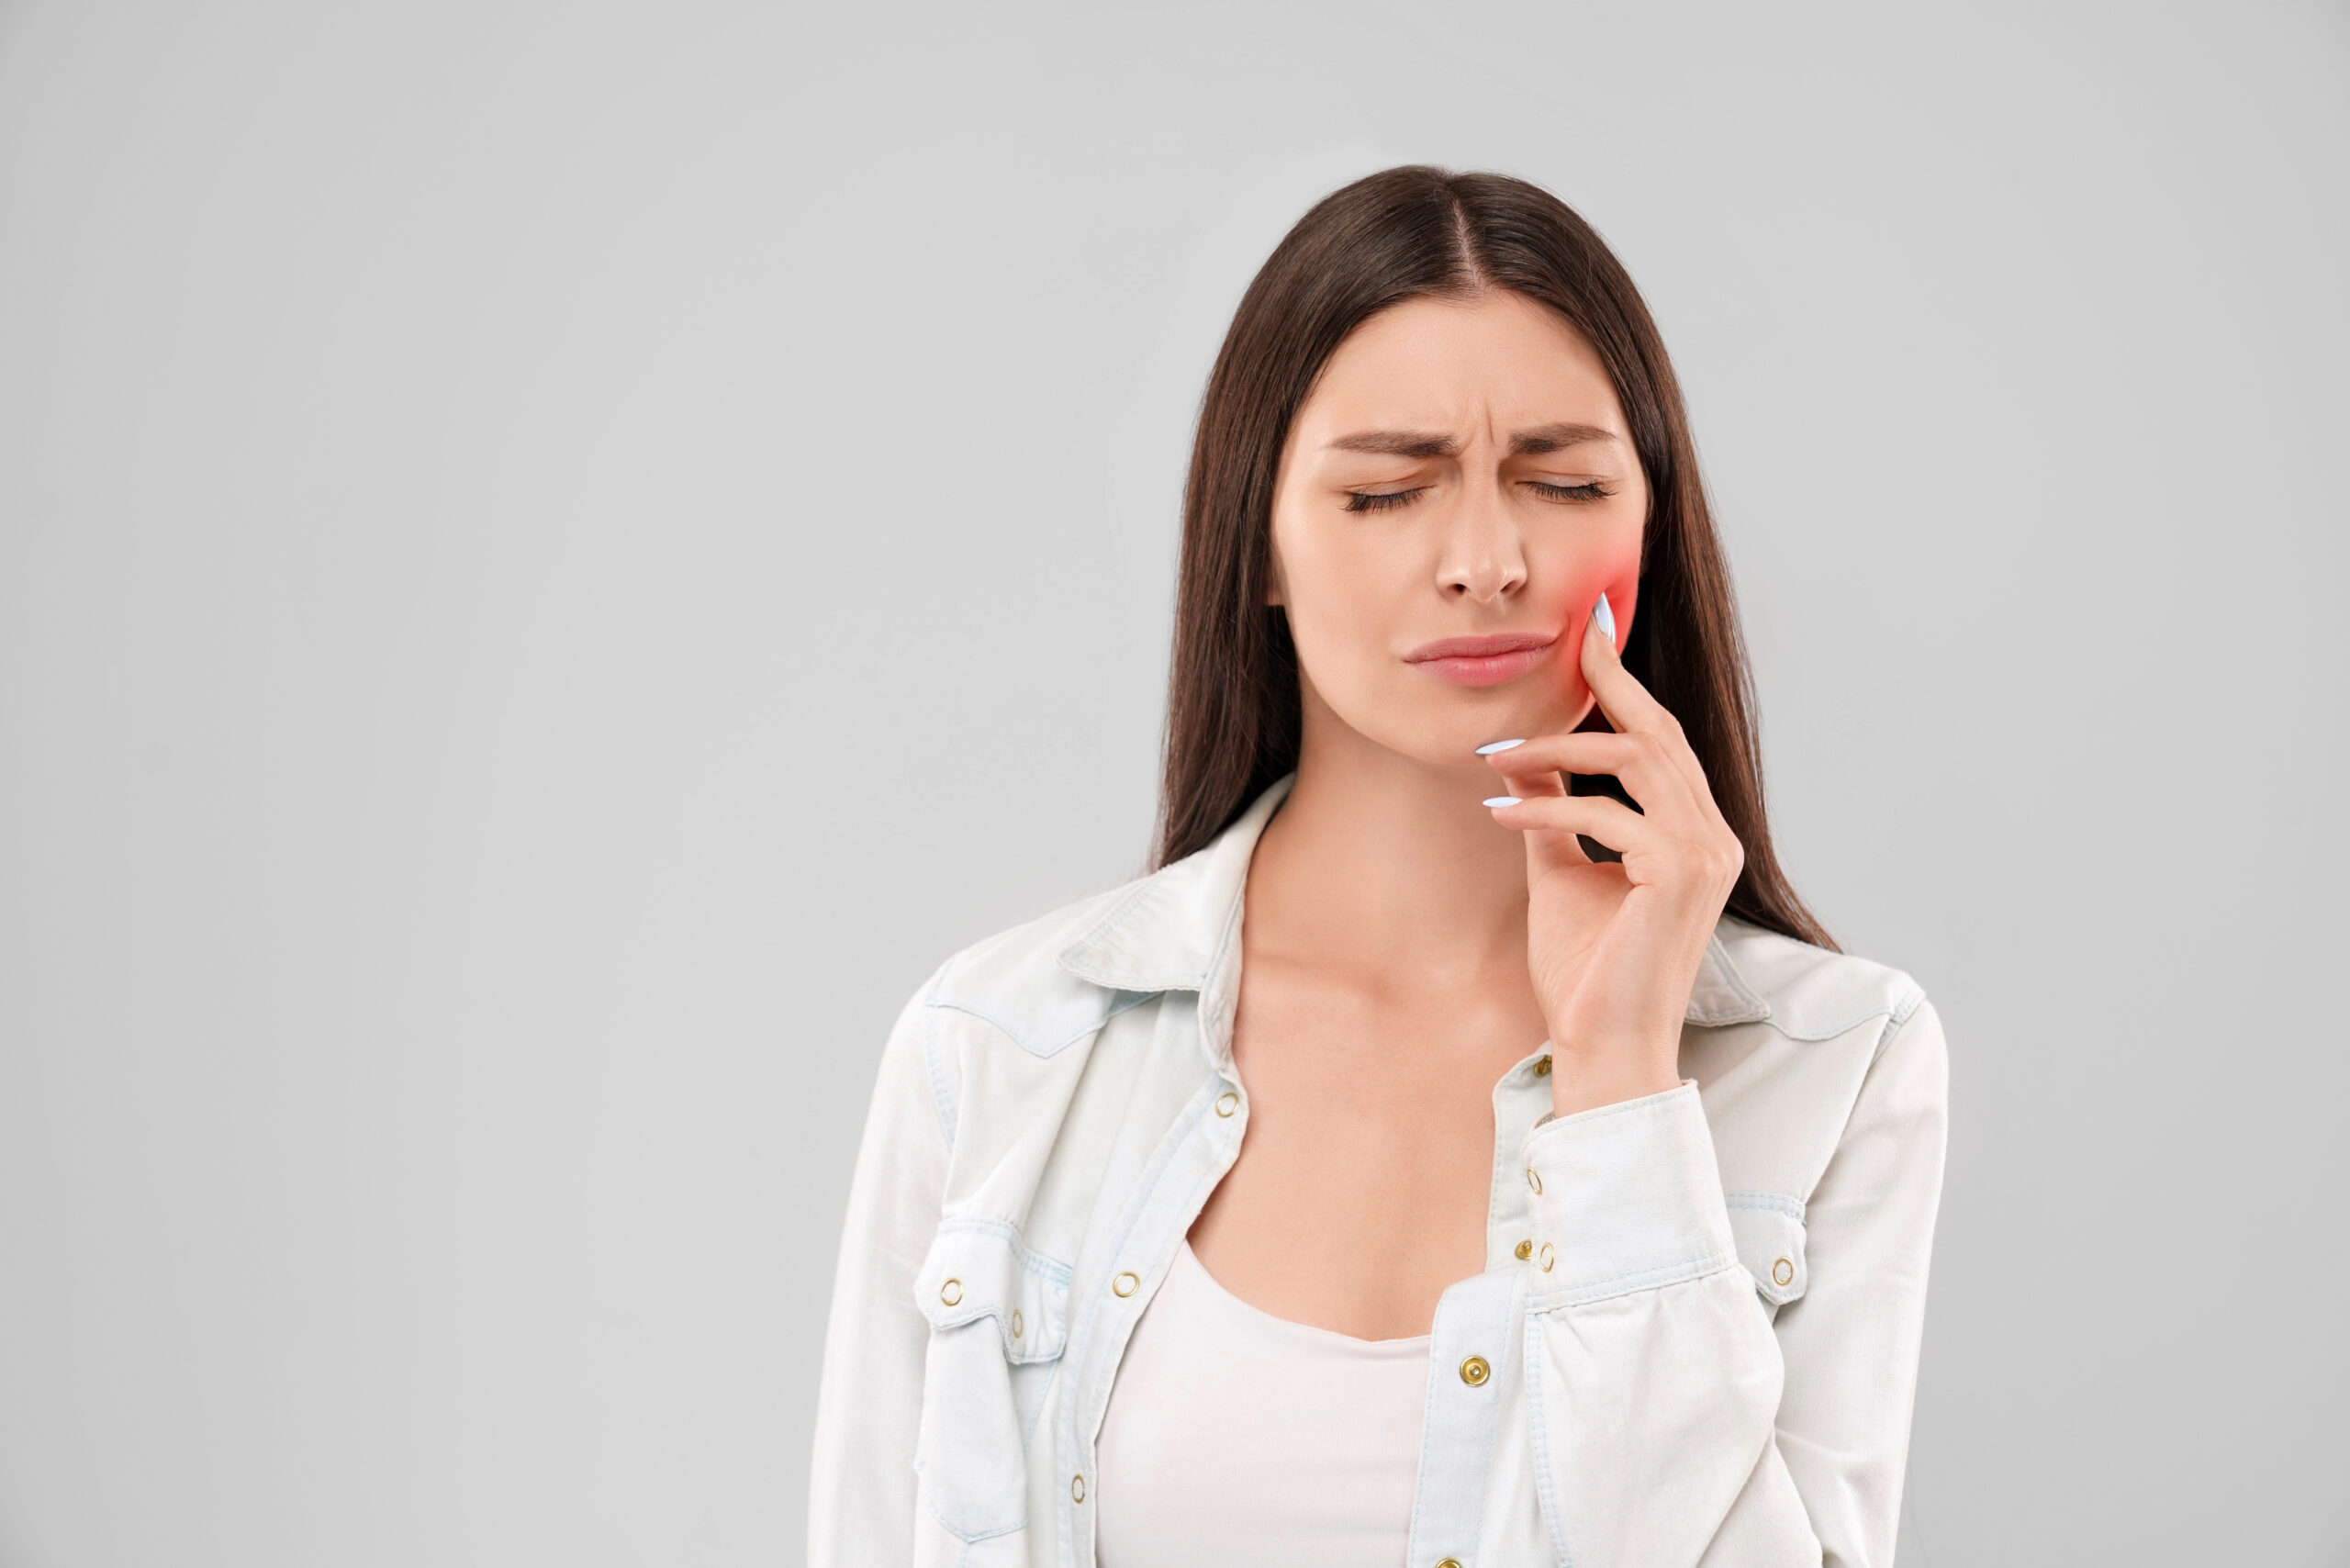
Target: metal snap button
<point>1126,1284</point>
<point>1533,1180</point>
<point>1449,1562</point>
<point>1226,1103</point>
<point>1015,1323</point>
<point>1474,1372</point>
<point>1548,1256</point>
<point>951,1291</point>
<point>1542,1067</point>
<point>1525,1251</point>
<point>1782,1272</point>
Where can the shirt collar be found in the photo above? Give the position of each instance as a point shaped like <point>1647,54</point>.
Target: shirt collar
<point>1178,929</point>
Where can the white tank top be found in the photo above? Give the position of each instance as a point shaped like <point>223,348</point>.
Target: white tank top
<point>1236,1437</point>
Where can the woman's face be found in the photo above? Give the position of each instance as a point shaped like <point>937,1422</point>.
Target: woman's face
<point>1461,468</point>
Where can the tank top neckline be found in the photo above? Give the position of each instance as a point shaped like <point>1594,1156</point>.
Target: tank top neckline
<point>1305,1333</point>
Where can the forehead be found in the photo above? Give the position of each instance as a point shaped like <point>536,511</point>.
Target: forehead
<point>1435,364</point>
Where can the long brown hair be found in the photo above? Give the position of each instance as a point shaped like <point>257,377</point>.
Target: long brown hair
<point>1234,714</point>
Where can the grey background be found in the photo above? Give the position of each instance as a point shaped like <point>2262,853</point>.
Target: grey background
<point>554,559</point>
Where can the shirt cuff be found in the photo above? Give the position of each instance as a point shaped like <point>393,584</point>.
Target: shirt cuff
<point>1624,1197</point>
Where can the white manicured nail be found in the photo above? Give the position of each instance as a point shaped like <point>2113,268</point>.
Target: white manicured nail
<point>1498,745</point>
<point>1605,618</point>
<point>1503,801</point>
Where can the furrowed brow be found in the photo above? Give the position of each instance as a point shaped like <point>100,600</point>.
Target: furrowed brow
<point>1421,444</point>
<point>1398,444</point>
<point>1554,438</point>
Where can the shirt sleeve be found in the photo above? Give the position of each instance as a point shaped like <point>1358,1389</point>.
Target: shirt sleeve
<point>1675,1422</point>
<point>861,1482</point>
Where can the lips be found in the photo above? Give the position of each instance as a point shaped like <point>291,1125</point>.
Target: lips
<point>1480,647</point>
<point>1482,661</point>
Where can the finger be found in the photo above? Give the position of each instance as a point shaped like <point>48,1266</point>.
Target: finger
<point>1574,845</point>
<point>1631,708</point>
<point>1639,761</point>
<point>1524,777</point>
<point>1611,823</point>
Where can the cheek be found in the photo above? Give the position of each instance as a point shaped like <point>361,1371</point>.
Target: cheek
<point>1348,597</point>
<point>1618,574</point>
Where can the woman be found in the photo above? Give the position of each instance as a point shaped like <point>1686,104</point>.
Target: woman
<point>1527,1179</point>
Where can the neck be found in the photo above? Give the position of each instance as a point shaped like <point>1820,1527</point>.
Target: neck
<point>1385,866</point>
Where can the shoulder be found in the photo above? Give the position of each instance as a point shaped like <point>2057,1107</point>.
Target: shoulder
<point>1812,993</point>
<point>1834,1054</point>
<point>992,1030</point>
<point>1012,987</point>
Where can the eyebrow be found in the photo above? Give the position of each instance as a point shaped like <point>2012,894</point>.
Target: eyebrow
<point>1419,443</point>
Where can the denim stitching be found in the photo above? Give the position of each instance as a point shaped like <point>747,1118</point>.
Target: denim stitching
<point>1078,1338</point>
<point>1704,1263</point>
<point>1045,1051</point>
<point>1086,945</point>
<point>1420,1481</point>
<point>947,1119</point>
<point>1133,999</point>
<point>1812,1035</point>
<point>1650,1104</point>
<point>1893,1021</point>
<point>1594,1290</point>
<point>1004,1334</point>
<point>1899,1010</point>
<point>1652,1107</point>
<point>1777,1202</point>
<point>1036,1263</point>
<point>1028,1433</point>
<point>1215,967</point>
<point>968,1539</point>
<point>1738,984</point>
<point>1100,932</point>
<point>1539,1426</point>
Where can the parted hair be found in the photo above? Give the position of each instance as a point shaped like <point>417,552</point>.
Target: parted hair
<point>1233,711</point>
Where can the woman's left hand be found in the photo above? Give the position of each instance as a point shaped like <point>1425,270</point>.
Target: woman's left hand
<point>1614,950</point>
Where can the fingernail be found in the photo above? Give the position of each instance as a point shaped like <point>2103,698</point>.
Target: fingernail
<point>1503,801</point>
<point>1605,618</point>
<point>1498,745</point>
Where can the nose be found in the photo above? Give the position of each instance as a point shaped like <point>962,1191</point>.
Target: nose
<point>1484,558</point>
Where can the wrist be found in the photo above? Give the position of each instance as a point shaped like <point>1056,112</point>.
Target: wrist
<point>1586,1086</point>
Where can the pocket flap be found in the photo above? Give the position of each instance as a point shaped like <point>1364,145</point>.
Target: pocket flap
<point>1768,1230</point>
<point>979,1269</point>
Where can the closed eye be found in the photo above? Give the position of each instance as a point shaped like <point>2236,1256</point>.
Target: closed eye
<point>1388,501</point>
<point>1589,490</point>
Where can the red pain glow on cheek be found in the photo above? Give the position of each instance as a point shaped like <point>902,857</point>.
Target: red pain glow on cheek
<point>1621,580</point>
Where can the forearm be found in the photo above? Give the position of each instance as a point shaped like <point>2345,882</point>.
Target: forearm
<point>1656,1379</point>
<point>1677,1422</point>
<point>861,1482</point>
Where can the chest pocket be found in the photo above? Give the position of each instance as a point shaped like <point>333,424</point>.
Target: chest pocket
<point>999,1318</point>
<point>1768,1230</point>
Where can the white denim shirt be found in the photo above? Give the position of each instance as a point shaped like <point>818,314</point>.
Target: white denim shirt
<point>1696,1339</point>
